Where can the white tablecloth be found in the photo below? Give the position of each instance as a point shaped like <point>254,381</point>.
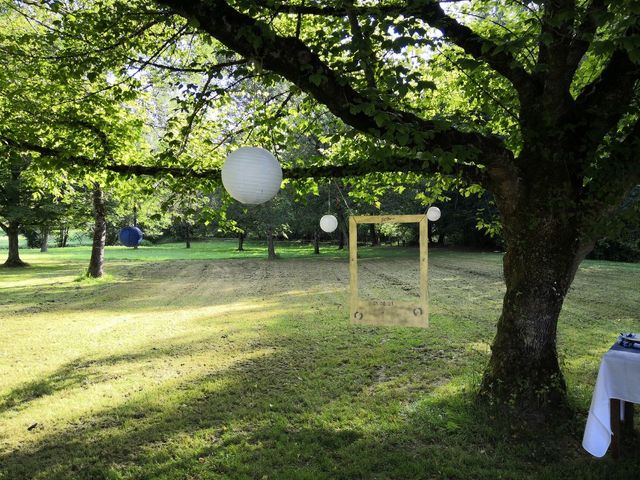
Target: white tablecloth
<point>619,377</point>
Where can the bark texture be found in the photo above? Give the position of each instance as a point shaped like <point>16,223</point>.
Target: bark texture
<point>271,246</point>
<point>13,259</point>
<point>63,237</point>
<point>375,238</point>
<point>524,368</point>
<point>96,263</point>
<point>44,239</point>
<point>545,230</point>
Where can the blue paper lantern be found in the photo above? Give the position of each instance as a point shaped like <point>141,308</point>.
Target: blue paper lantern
<point>130,236</point>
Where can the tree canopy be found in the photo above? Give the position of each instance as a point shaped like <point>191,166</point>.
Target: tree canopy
<point>536,102</point>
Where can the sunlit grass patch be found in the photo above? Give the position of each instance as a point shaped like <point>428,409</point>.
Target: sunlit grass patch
<point>242,368</point>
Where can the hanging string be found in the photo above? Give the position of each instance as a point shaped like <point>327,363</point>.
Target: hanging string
<point>343,199</point>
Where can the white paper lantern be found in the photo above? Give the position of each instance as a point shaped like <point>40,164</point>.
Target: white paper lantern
<point>328,223</point>
<point>251,175</point>
<point>433,214</point>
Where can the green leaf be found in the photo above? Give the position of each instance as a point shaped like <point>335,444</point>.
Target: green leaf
<point>380,119</point>
<point>316,78</point>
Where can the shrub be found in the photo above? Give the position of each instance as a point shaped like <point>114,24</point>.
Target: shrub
<point>615,250</point>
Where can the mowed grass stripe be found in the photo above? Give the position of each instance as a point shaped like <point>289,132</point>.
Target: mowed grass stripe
<point>243,368</point>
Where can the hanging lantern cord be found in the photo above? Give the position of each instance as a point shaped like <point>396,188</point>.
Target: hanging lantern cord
<point>343,199</point>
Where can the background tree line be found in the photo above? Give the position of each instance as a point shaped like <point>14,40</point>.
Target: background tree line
<point>469,220</point>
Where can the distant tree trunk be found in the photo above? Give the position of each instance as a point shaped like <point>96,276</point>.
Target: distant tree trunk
<point>187,235</point>
<point>64,237</point>
<point>96,264</point>
<point>375,238</point>
<point>13,260</point>
<point>441,239</point>
<point>241,237</point>
<point>44,239</point>
<point>135,222</point>
<point>316,242</point>
<point>271,248</point>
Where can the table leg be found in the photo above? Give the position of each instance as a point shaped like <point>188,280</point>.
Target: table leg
<point>615,427</point>
<point>627,424</point>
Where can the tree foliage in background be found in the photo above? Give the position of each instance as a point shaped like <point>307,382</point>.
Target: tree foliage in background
<point>536,103</point>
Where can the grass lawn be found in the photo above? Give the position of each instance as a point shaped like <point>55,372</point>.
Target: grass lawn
<point>208,363</point>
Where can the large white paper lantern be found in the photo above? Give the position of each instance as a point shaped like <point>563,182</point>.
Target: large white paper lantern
<point>433,214</point>
<point>251,175</point>
<point>328,223</point>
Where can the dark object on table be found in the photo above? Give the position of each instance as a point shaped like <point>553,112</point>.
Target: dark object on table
<point>629,340</point>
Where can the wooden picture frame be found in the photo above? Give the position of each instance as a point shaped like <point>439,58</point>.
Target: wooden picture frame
<point>368,312</point>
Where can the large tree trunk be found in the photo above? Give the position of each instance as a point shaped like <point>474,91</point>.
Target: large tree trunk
<point>271,249</point>
<point>96,264</point>
<point>44,239</point>
<point>13,260</point>
<point>241,237</point>
<point>187,235</point>
<point>544,249</point>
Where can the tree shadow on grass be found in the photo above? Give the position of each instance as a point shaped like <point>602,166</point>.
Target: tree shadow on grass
<point>329,402</point>
<point>68,376</point>
<point>87,370</point>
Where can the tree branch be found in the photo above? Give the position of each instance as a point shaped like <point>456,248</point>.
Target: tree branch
<point>585,33</point>
<point>363,48</point>
<point>616,175</point>
<point>478,47</point>
<point>205,69</point>
<point>292,59</point>
<point>470,172</point>
<point>603,102</point>
<point>333,11</point>
<point>200,103</point>
<point>101,136</point>
<point>339,11</point>
<point>554,43</point>
<point>557,28</point>
<point>625,153</point>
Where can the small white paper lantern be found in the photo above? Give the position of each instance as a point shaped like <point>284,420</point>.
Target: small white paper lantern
<point>433,214</point>
<point>251,175</point>
<point>328,223</point>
